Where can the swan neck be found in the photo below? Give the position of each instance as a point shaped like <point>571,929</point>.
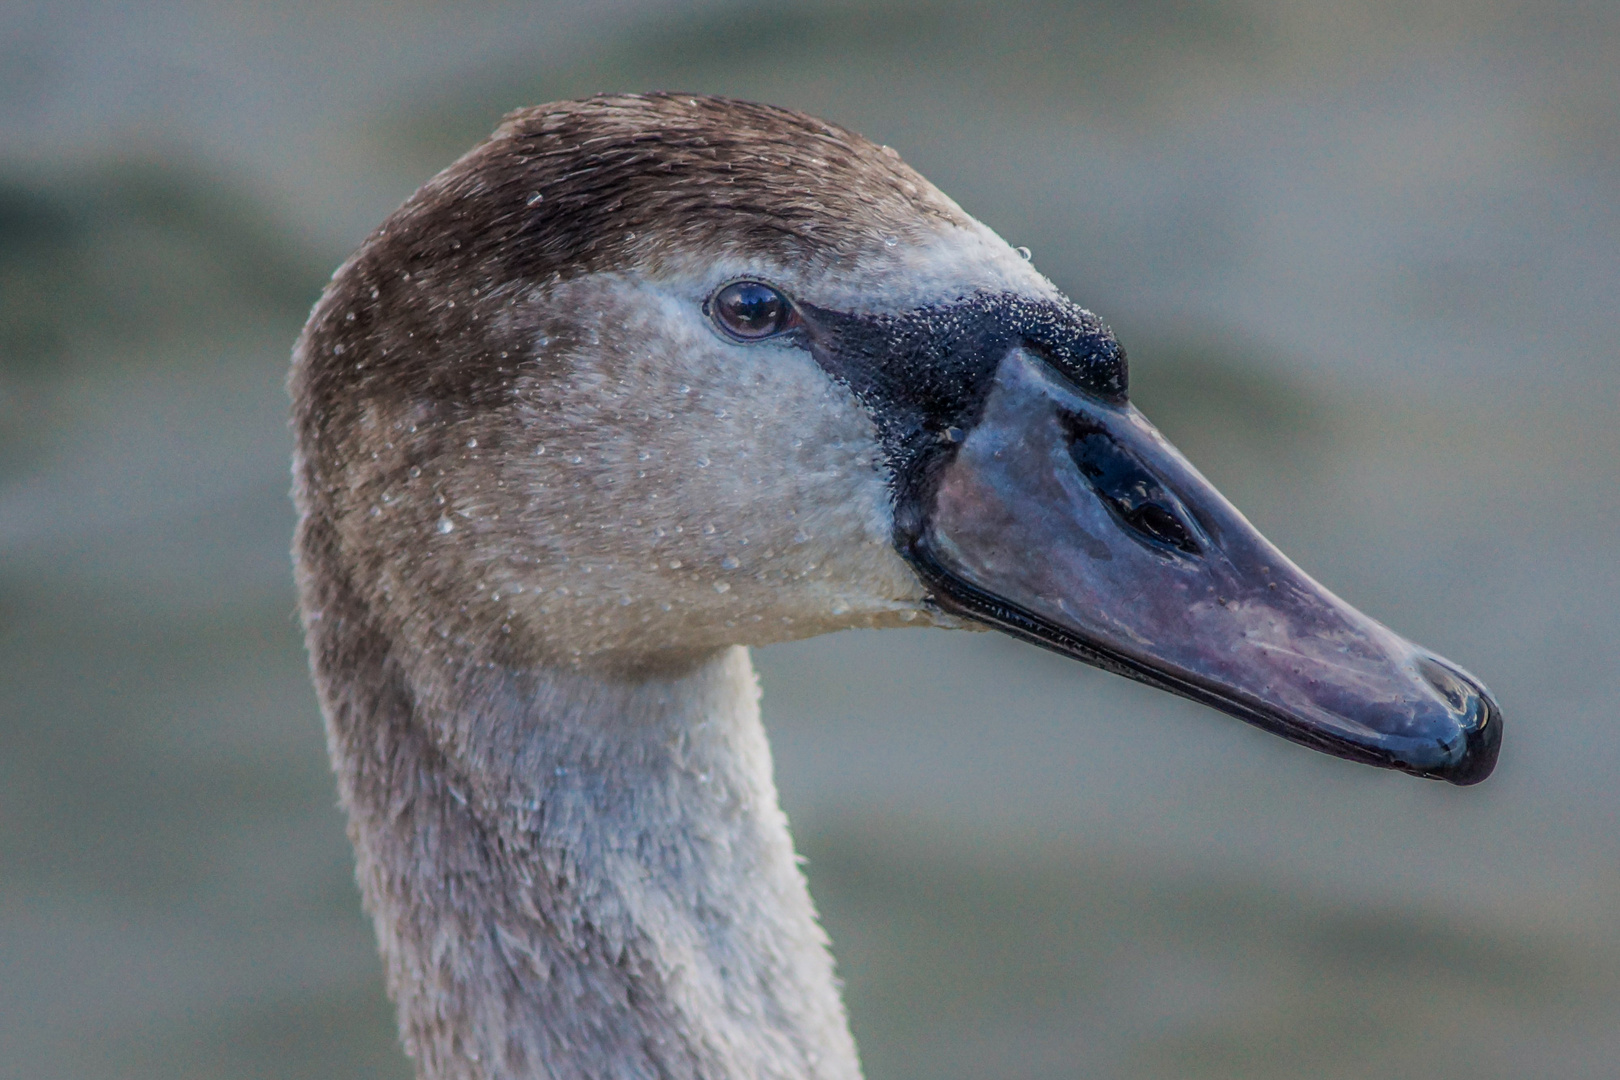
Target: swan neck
<point>574,876</point>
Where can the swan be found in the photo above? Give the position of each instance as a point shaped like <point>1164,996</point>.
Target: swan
<point>642,381</point>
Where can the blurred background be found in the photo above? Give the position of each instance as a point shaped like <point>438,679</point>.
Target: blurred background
<point>1365,255</point>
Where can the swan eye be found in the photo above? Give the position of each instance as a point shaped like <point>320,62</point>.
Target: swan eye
<point>750,311</point>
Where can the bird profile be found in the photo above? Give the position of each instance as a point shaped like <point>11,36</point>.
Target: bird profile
<point>642,381</point>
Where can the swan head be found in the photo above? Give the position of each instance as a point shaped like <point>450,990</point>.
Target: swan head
<point>643,377</point>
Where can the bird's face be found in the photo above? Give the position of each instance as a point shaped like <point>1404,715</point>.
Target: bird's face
<point>707,437</point>
<point>697,468</point>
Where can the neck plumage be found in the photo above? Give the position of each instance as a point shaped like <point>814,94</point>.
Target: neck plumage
<point>574,876</point>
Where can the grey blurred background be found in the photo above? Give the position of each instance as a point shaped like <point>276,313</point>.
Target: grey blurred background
<point>1366,259</point>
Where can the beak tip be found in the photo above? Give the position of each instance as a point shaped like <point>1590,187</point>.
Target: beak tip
<point>1480,748</point>
<point>1478,720</point>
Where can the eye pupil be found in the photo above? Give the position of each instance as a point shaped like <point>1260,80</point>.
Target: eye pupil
<point>750,310</point>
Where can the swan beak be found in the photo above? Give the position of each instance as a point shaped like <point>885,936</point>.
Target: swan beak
<point>1073,523</point>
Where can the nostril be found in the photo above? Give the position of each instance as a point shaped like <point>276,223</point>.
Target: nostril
<point>1126,487</point>
<point>1160,524</point>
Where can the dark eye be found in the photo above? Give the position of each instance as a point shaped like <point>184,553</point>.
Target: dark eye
<point>750,311</point>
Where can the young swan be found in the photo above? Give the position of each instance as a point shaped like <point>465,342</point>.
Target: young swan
<point>643,380</point>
